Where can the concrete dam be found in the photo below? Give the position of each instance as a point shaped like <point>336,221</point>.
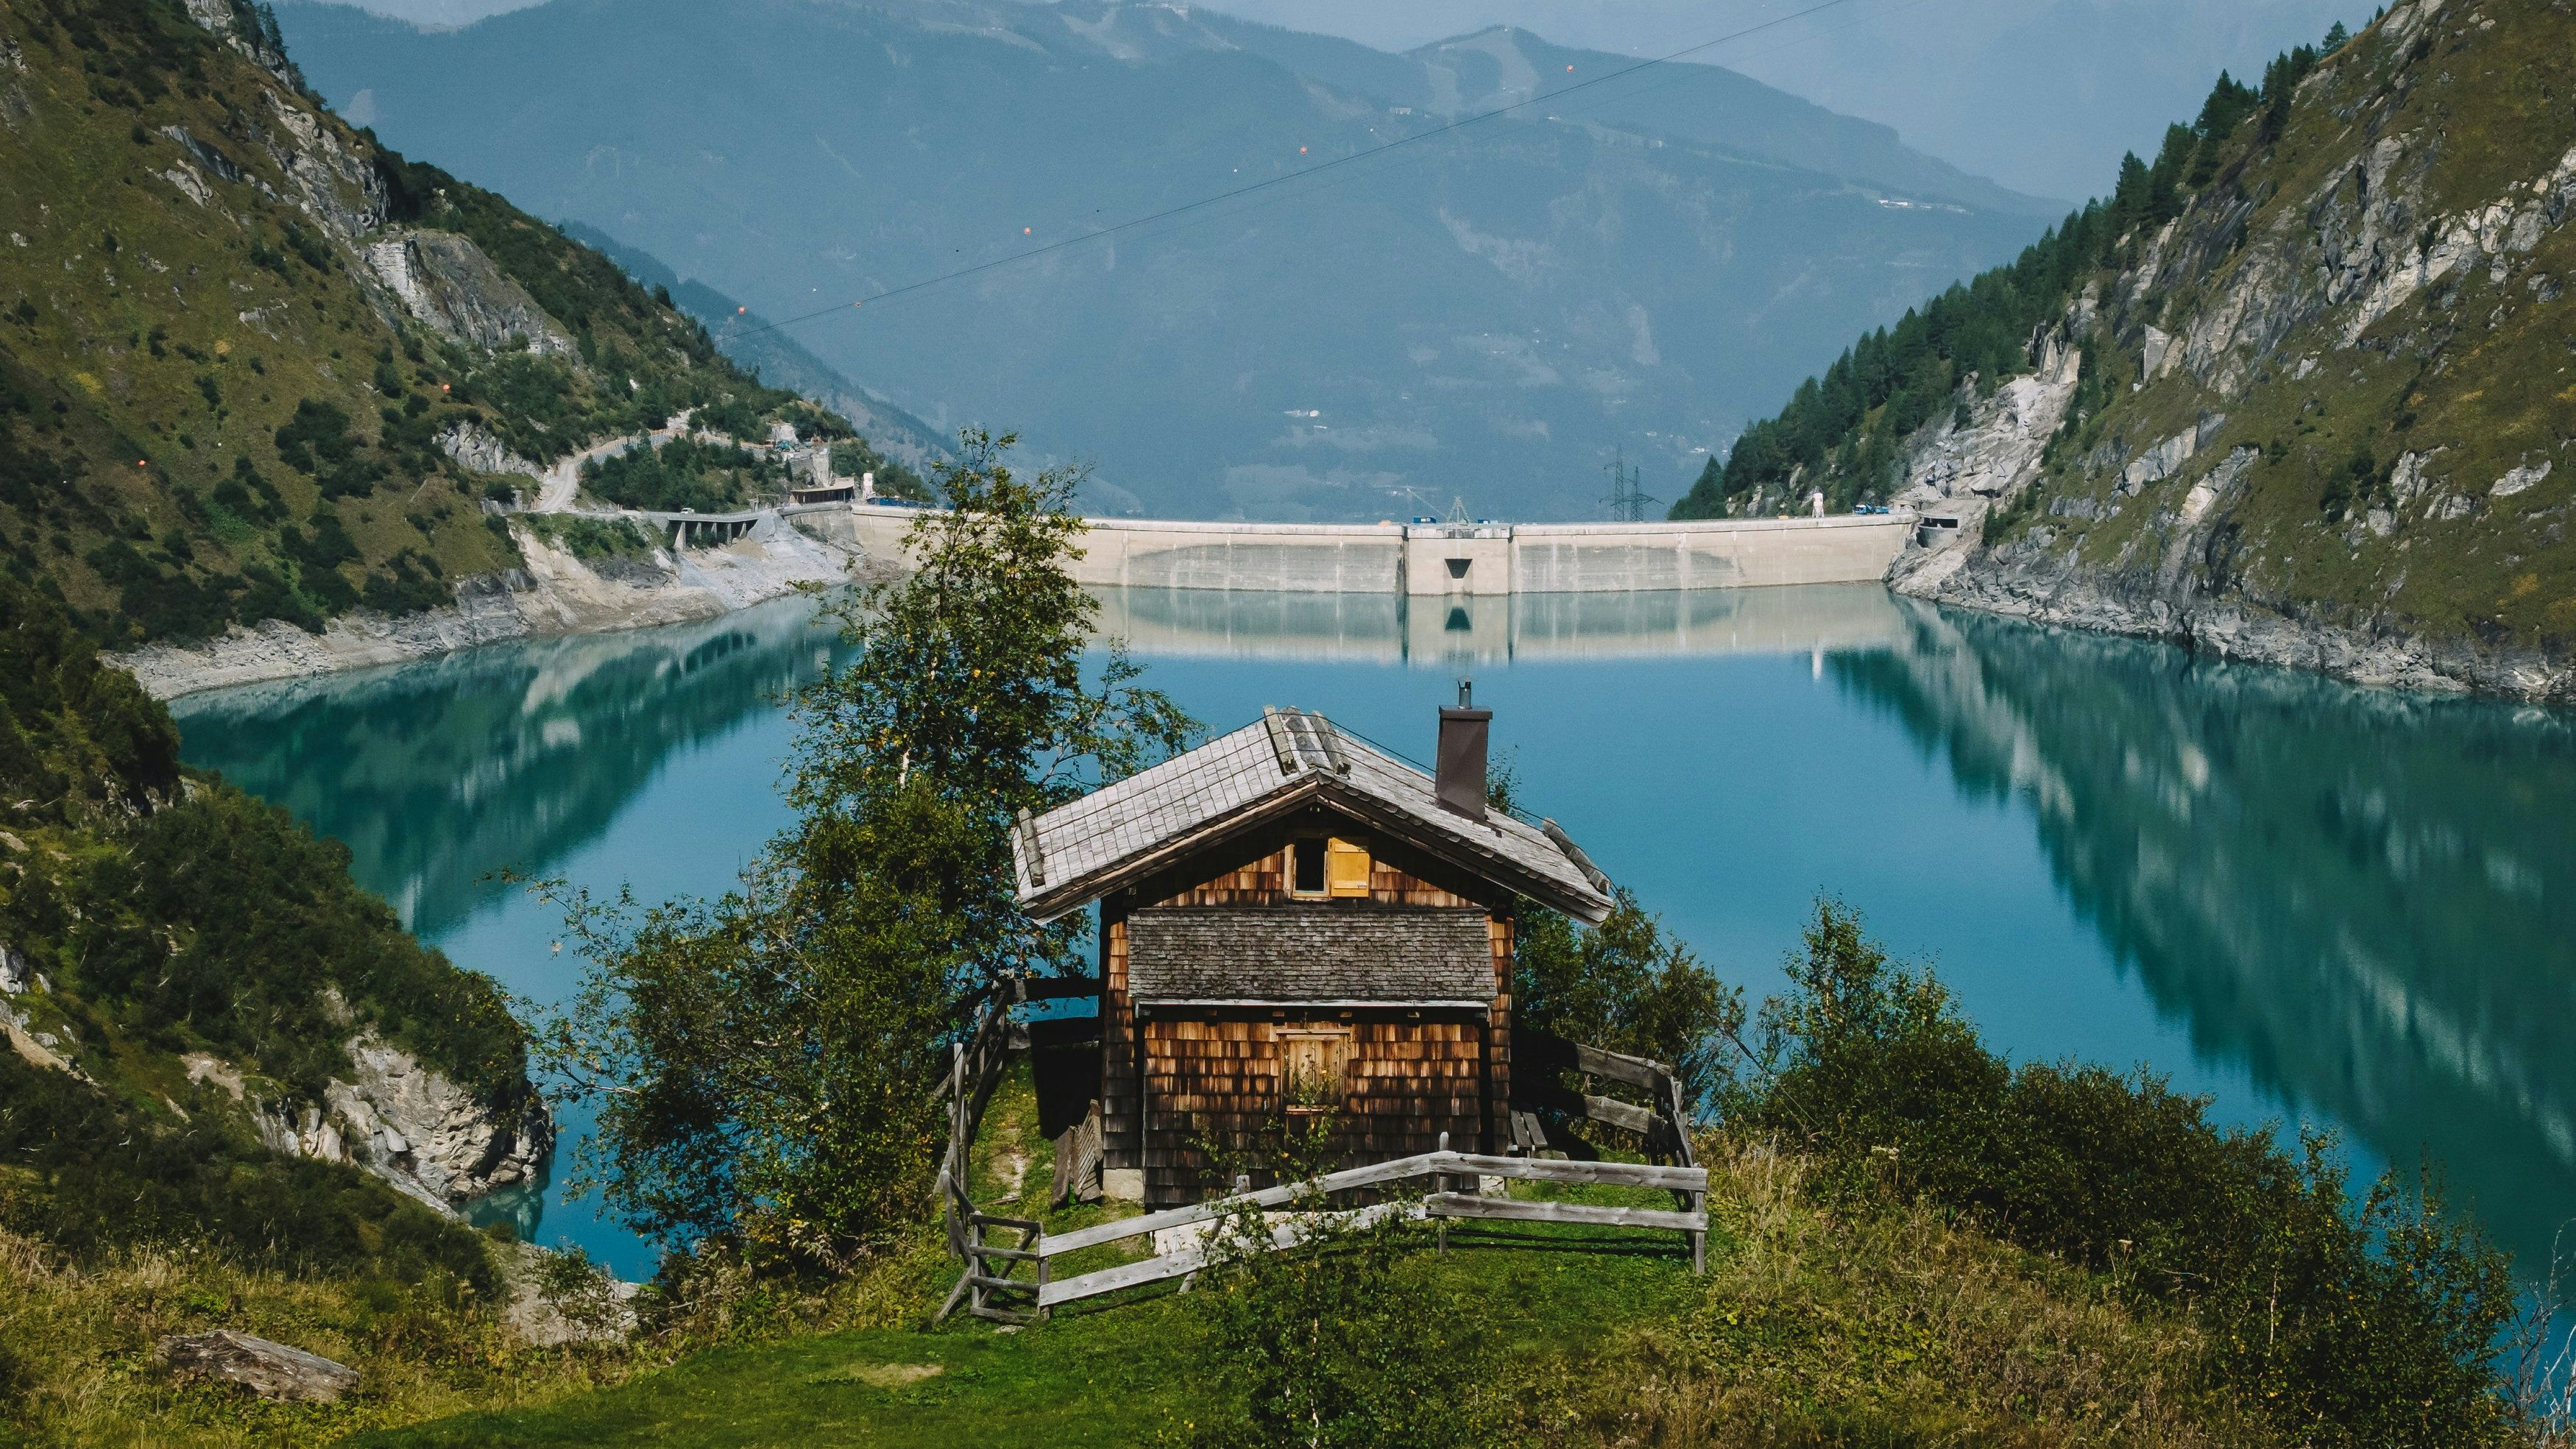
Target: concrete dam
<point>1448,560</point>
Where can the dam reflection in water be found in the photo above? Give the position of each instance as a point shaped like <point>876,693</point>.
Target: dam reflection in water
<point>1497,629</point>
<point>2337,905</point>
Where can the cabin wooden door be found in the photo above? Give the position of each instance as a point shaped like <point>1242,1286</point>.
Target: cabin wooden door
<point>1314,1069</point>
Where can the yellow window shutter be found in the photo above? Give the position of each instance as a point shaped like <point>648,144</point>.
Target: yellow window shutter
<point>1346,869</point>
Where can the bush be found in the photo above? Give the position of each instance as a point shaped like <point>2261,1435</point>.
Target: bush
<point>1625,986</point>
<point>93,1176</point>
<point>1333,1342</point>
<point>683,474</point>
<point>2370,1324</point>
<point>590,539</point>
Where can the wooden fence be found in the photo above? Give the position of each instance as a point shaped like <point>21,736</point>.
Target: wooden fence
<point>1456,1179</point>
<point>992,1285</point>
<point>1539,1063</point>
<point>976,1062</point>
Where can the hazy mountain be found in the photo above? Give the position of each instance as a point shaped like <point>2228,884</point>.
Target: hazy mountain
<point>2039,94</point>
<point>1487,311</point>
<point>775,356</point>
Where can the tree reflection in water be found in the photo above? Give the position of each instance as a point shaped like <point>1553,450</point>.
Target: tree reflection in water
<point>434,774</point>
<point>2368,899</point>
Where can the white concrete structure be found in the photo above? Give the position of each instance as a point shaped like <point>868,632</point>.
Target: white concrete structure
<point>1466,560</point>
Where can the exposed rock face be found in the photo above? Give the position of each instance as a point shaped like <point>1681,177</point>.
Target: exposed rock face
<point>554,1301</point>
<point>416,1129</point>
<point>472,446</point>
<point>269,1369</point>
<point>1999,452</point>
<point>2334,409</point>
<point>447,283</point>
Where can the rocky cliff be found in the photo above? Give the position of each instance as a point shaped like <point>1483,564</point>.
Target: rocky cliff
<point>259,372</point>
<point>2321,417</point>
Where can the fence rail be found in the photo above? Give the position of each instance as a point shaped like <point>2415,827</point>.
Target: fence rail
<point>1464,1168</point>
<point>992,1286</point>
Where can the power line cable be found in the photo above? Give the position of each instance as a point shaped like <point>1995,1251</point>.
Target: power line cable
<point>1276,181</point>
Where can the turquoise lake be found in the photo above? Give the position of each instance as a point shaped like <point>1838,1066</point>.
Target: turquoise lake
<point>2318,904</point>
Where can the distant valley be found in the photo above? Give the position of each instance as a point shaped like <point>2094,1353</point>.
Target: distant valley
<point>1487,313</point>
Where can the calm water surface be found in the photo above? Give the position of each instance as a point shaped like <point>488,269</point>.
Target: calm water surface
<point>2319,904</point>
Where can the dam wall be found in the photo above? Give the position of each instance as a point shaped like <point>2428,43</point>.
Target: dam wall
<point>1445,560</point>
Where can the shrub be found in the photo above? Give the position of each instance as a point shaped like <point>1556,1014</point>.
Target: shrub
<point>1334,1341</point>
<point>1625,986</point>
<point>2370,1324</point>
<point>590,539</point>
<point>681,474</point>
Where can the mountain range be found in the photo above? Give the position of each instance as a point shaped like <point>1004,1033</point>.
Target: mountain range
<point>1488,310</point>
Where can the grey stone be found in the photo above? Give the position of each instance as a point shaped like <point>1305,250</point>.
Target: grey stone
<point>269,1369</point>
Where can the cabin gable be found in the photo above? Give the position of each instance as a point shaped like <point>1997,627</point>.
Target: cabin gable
<point>1259,867</point>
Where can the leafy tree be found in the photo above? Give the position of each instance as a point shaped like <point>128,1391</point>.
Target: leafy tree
<point>1626,986</point>
<point>766,1063</point>
<point>1622,985</point>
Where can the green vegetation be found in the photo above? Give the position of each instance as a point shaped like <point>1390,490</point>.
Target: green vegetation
<point>1335,1344</point>
<point>2391,423</point>
<point>1626,986</point>
<point>591,539</point>
<point>149,915</point>
<point>211,411</point>
<point>2376,1325</point>
<point>765,1064</point>
<point>856,458</point>
<point>1844,433</point>
<point>683,475</point>
<point>1856,1292</point>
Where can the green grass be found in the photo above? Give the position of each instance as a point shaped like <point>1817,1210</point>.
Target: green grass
<point>1108,1374</point>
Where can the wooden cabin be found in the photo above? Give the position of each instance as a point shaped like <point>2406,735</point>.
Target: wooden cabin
<point>1295,921</point>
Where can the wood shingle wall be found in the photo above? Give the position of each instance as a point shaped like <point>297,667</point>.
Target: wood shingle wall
<point>1216,1080</point>
<point>1184,1076</point>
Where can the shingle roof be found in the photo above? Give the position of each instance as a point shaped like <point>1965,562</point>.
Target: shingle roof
<point>1310,953</point>
<point>1081,850</point>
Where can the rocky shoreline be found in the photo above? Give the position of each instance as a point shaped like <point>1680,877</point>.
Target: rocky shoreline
<point>552,593</point>
<point>2025,580</point>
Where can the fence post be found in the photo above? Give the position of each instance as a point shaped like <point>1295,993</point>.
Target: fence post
<point>1440,1224</point>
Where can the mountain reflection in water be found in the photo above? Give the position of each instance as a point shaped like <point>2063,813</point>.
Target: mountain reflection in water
<point>436,774</point>
<point>2364,898</point>
<point>2354,906</point>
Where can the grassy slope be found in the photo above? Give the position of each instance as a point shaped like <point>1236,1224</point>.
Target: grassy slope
<point>151,348</point>
<point>156,915</point>
<point>1892,1327</point>
<point>2477,370</point>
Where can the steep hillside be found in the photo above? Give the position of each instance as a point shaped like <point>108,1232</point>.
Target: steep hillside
<point>897,445</point>
<point>1489,312</point>
<point>254,366</point>
<point>2301,391</point>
